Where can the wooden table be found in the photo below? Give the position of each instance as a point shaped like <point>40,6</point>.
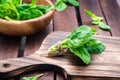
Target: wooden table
<point>12,47</point>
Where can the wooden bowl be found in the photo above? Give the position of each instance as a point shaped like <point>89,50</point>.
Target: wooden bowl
<point>27,27</point>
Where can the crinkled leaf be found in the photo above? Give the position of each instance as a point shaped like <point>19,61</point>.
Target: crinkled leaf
<point>80,36</point>
<point>28,14</point>
<point>94,46</point>
<point>23,7</point>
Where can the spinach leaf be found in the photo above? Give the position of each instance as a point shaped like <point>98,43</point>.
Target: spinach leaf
<point>82,53</point>
<point>32,77</point>
<point>97,20</point>
<point>60,5</point>
<point>8,10</point>
<point>28,14</point>
<point>72,2</point>
<point>15,10</point>
<point>2,1</point>
<point>94,46</point>
<point>16,2</point>
<point>48,8</point>
<point>80,36</point>
<point>23,7</point>
<point>104,26</point>
<point>33,3</point>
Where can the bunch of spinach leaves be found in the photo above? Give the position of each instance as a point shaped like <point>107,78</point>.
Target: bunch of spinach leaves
<point>61,5</point>
<point>97,20</point>
<point>80,42</point>
<point>16,10</point>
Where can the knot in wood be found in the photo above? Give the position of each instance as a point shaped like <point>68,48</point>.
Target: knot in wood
<point>6,65</point>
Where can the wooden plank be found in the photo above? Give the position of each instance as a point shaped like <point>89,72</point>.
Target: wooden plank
<point>111,9</point>
<point>102,66</point>
<point>33,42</point>
<point>44,77</point>
<point>92,5</point>
<point>8,47</point>
<point>65,20</point>
<point>92,78</point>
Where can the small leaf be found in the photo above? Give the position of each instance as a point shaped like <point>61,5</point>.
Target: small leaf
<point>60,5</point>
<point>32,77</point>
<point>104,26</point>
<point>95,18</point>
<point>73,2</point>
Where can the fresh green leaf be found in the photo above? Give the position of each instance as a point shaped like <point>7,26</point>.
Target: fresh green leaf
<point>95,18</point>
<point>48,8</point>
<point>33,3</point>
<point>16,10</point>
<point>94,31</point>
<point>82,53</point>
<point>32,77</point>
<point>23,7</point>
<point>96,21</point>
<point>104,26</point>
<point>80,36</point>
<point>73,2</point>
<point>28,14</point>
<point>8,9</point>
<point>2,1</point>
<point>94,46</point>
<point>16,2</point>
<point>60,5</point>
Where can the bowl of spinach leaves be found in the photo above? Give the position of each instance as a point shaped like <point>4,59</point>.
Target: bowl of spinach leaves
<point>24,17</point>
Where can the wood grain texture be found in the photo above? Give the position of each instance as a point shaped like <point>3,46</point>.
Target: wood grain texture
<point>65,20</point>
<point>33,42</point>
<point>103,65</point>
<point>111,9</point>
<point>8,47</point>
<point>94,6</point>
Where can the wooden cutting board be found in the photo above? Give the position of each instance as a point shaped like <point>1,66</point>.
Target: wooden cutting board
<point>103,66</point>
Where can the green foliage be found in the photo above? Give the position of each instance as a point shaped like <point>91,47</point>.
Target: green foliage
<point>80,42</point>
<point>72,2</point>
<point>104,26</point>
<point>16,10</point>
<point>61,5</point>
<point>94,46</point>
<point>97,20</point>
<point>32,77</point>
<point>82,53</point>
<point>79,36</point>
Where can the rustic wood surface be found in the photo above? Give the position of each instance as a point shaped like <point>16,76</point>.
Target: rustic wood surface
<point>14,47</point>
<point>102,65</point>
